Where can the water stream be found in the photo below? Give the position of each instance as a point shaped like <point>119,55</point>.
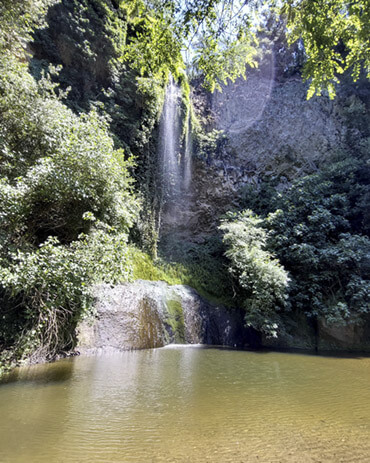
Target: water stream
<point>169,155</point>
<point>188,152</point>
<point>188,404</point>
<point>175,156</point>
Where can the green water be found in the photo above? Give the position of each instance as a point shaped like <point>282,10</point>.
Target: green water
<point>188,405</point>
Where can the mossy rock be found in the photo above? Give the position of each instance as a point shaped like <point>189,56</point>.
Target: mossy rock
<point>175,320</point>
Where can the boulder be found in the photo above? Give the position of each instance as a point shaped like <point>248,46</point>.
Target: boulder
<point>149,314</point>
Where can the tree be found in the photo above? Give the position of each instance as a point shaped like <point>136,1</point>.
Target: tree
<point>17,19</point>
<point>261,279</point>
<point>66,203</point>
<point>336,38</point>
<point>221,36</point>
<point>214,37</point>
<point>320,235</point>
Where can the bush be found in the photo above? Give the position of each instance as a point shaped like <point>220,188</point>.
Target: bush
<point>262,281</point>
<point>320,236</point>
<point>50,288</point>
<point>59,165</point>
<point>67,205</point>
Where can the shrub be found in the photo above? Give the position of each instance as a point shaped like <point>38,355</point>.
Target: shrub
<point>50,289</point>
<point>67,205</point>
<point>263,282</point>
<point>320,236</point>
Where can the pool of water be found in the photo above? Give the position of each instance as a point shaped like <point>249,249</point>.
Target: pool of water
<point>188,404</point>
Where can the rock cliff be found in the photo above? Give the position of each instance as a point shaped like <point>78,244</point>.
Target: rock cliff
<point>270,131</point>
<point>147,314</point>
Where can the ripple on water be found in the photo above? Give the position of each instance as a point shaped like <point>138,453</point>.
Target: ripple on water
<point>188,405</point>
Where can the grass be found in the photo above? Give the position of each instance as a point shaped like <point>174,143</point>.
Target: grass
<point>207,274</point>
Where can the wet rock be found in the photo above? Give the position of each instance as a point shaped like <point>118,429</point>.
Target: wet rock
<point>303,333</point>
<point>147,314</point>
<point>351,337</point>
<point>271,130</point>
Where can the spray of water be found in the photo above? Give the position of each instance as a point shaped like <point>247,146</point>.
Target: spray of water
<point>170,158</point>
<point>188,152</point>
<point>175,156</point>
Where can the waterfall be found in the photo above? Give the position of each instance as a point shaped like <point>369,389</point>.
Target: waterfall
<point>188,151</point>
<point>170,157</point>
<point>175,157</point>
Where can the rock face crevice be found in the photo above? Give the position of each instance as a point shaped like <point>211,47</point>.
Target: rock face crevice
<point>148,314</point>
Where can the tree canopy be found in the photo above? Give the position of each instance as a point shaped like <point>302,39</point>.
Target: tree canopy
<point>336,38</point>
<point>220,37</point>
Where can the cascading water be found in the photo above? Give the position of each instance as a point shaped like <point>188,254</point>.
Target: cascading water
<point>169,142</point>
<point>175,154</point>
<point>188,152</point>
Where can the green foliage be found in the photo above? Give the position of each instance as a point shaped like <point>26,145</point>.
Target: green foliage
<point>159,34</point>
<point>335,34</point>
<point>175,320</point>
<point>89,39</point>
<point>49,286</point>
<point>221,62</point>
<point>145,268</point>
<point>208,144</point>
<point>58,165</point>
<point>262,280</point>
<point>60,176</point>
<point>320,236</point>
<point>105,255</point>
<point>17,19</point>
<point>220,36</point>
<point>319,231</point>
<point>92,40</point>
<point>153,48</point>
<point>201,266</point>
<point>47,290</point>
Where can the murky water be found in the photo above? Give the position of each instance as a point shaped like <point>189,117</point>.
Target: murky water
<point>188,405</point>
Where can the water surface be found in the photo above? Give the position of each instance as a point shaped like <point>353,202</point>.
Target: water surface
<point>188,404</point>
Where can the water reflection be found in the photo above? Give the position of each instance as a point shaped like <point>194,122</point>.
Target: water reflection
<point>187,405</point>
<point>59,372</point>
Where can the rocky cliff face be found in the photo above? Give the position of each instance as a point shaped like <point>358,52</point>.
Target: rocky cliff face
<point>273,134</point>
<point>271,131</point>
<point>147,314</point>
